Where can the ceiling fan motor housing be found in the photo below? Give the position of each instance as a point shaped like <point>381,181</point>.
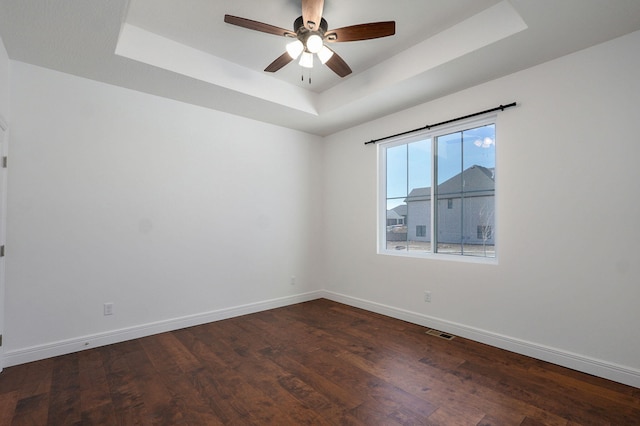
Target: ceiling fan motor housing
<point>299,27</point>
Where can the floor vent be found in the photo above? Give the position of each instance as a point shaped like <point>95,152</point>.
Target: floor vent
<point>440,334</point>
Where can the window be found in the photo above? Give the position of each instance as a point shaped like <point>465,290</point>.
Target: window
<point>454,216</point>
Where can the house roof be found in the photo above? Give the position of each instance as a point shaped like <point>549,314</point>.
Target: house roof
<point>474,181</point>
<point>401,209</point>
<point>419,194</point>
<point>392,214</point>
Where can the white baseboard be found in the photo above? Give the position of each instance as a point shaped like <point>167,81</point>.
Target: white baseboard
<point>596,367</point>
<point>64,347</point>
<point>607,370</point>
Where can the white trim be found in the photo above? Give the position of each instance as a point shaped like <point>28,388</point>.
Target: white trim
<point>608,370</point>
<point>596,367</point>
<point>68,346</point>
<point>440,256</point>
<point>4,142</point>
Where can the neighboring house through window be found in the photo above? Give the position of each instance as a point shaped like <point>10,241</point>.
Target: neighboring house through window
<point>457,215</point>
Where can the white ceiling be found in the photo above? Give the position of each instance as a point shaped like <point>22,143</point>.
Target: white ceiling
<point>182,49</point>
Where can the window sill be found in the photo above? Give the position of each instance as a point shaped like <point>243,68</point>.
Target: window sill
<point>441,256</point>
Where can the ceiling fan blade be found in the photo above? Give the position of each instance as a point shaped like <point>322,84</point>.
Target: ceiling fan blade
<point>312,13</point>
<point>338,65</point>
<point>362,32</point>
<point>280,62</point>
<point>257,26</point>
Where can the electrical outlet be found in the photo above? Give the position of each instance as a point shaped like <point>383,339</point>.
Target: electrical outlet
<point>427,296</point>
<point>108,309</point>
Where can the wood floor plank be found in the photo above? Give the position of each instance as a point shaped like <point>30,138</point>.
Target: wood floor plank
<point>35,378</point>
<point>567,401</point>
<point>455,416</point>
<point>209,382</point>
<point>8,402</point>
<point>64,401</point>
<point>124,390</point>
<point>33,410</point>
<point>318,362</point>
<point>11,379</point>
<point>95,399</point>
<point>327,398</point>
<point>528,421</point>
<point>173,352</point>
<point>241,399</point>
<point>159,403</point>
<point>441,387</point>
<point>174,365</point>
<point>215,398</point>
<point>582,383</point>
<point>366,383</point>
<point>245,357</point>
<point>369,413</point>
<point>260,372</point>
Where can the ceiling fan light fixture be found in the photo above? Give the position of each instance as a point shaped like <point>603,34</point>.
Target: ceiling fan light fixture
<point>295,48</point>
<point>314,43</point>
<point>325,54</point>
<point>306,60</point>
<point>311,31</point>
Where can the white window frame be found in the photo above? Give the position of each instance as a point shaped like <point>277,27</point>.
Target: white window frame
<point>382,190</point>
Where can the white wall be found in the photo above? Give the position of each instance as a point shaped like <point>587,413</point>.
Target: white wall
<point>567,285</point>
<point>167,210</point>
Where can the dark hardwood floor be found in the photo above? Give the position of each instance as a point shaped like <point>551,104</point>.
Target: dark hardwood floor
<point>319,363</point>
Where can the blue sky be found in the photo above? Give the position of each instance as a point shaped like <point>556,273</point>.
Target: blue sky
<point>409,165</point>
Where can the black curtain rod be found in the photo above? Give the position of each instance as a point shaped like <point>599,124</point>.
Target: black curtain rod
<point>428,127</point>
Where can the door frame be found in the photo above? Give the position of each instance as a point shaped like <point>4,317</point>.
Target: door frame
<point>4,141</point>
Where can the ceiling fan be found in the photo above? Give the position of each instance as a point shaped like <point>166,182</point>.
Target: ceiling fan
<point>310,32</point>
